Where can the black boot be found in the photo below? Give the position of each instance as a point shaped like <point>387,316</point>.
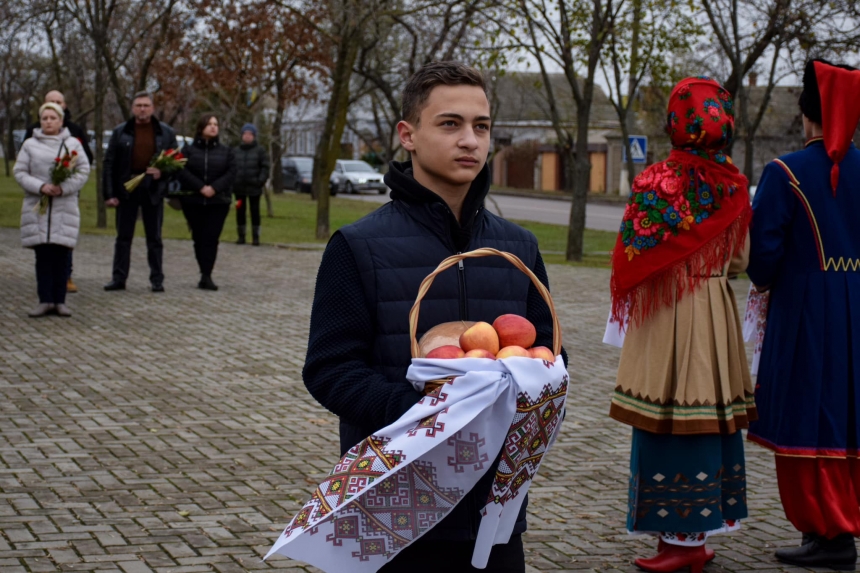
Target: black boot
<point>838,553</point>
<point>206,283</point>
<point>255,235</point>
<point>241,230</point>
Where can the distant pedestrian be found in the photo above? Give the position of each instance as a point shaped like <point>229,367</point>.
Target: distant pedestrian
<point>683,380</point>
<point>50,218</point>
<point>132,147</point>
<point>76,131</point>
<point>252,171</point>
<point>208,178</point>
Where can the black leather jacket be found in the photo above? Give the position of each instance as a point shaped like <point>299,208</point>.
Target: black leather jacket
<point>117,162</point>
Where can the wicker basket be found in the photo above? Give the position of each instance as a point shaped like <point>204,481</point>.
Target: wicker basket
<point>453,260</point>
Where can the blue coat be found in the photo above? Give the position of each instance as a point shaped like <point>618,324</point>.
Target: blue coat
<point>805,244</point>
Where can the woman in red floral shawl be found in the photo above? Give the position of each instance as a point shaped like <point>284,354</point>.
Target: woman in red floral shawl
<point>683,381</point>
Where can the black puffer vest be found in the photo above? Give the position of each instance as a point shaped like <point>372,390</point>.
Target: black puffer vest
<point>401,243</point>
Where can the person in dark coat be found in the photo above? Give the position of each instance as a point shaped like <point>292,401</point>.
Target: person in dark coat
<point>132,147</point>
<point>252,171</point>
<point>79,133</point>
<point>207,180</point>
<point>359,344</point>
<point>805,250</point>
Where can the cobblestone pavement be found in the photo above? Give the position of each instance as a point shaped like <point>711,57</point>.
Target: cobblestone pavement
<point>172,432</point>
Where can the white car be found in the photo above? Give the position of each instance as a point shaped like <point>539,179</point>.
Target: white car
<point>355,177</point>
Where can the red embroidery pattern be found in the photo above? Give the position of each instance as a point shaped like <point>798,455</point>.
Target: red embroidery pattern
<point>529,437</point>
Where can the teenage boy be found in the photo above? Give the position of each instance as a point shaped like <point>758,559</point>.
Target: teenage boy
<point>359,348</point>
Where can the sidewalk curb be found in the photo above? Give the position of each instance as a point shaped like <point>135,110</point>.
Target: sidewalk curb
<point>600,198</point>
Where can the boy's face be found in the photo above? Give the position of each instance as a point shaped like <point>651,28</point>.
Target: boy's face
<point>451,141</point>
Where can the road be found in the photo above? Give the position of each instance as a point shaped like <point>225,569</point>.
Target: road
<point>599,217</point>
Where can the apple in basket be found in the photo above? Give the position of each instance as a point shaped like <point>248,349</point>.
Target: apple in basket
<point>542,353</point>
<point>509,351</point>
<point>514,330</point>
<point>480,336</point>
<point>480,353</point>
<point>447,351</point>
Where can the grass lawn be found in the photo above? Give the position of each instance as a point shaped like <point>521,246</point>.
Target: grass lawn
<point>295,222</point>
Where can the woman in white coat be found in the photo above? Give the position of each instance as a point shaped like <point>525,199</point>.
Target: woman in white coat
<point>53,230</point>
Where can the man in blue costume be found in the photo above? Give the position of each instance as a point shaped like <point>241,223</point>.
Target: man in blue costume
<point>805,249</point>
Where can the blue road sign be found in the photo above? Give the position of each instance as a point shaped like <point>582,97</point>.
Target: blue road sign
<point>638,149</point>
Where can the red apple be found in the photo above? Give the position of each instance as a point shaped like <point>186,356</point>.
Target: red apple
<point>447,351</point>
<point>542,352</point>
<point>480,335</point>
<point>480,353</point>
<point>509,351</point>
<point>514,330</point>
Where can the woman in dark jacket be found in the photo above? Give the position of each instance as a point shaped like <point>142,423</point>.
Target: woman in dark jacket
<point>207,180</point>
<point>252,171</point>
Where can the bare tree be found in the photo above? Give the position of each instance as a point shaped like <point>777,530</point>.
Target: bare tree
<point>126,37</point>
<point>644,37</point>
<point>22,75</point>
<point>443,31</point>
<point>571,35</point>
<point>766,35</point>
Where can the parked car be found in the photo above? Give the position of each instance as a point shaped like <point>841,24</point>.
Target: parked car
<point>183,140</point>
<point>355,177</point>
<point>297,173</point>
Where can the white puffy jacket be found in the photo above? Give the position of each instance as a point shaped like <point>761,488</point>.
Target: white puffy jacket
<point>60,224</point>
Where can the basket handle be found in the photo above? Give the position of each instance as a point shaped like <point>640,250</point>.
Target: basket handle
<point>485,252</point>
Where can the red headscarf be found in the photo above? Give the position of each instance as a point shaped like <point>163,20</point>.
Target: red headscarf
<point>840,112</point>
<point>686,215</point>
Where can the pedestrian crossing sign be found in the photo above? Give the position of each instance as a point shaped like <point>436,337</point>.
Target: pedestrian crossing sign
<point>638,149</point>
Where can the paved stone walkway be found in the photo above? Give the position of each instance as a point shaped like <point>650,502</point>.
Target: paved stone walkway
<point>172,432</point>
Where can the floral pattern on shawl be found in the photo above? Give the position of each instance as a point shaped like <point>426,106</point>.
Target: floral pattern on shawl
<point>660,208</point>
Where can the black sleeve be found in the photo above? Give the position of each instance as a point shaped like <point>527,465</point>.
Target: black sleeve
<point>264,167</point>
<point>188,181</point>
<point>79,132</point>
<point>224,184</point>
<point>107,167</point>
<point>538,312</point>
<point>29,133</point>
<point>336,370</point>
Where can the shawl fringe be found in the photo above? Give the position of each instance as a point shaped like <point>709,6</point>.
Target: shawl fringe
<point>667,285</point>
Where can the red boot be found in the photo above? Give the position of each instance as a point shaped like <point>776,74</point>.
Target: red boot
<point>709,553</point>
<point>675,557</point>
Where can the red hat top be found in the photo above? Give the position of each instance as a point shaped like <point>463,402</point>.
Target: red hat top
<point>840,111</point>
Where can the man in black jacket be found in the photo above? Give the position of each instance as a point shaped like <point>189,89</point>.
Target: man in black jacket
<point>131,149</point>
<point>76,131</point>
<point>359,345</point>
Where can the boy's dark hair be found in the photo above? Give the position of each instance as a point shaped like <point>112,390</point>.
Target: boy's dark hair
<point>202,123</point>
<point>810,97</point>
<point>138,95</point>
<point>434,74</point>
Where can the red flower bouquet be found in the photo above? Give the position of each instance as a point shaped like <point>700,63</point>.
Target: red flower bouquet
<point>169,161</point>
<point>62,169</point>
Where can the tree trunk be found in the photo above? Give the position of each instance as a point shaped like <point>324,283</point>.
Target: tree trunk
<point>328,149</point>
<point>749,148</point>
<point>277,139</point>
<point>9,144</point>
<point>98,127</point>
<point>581,174</point>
